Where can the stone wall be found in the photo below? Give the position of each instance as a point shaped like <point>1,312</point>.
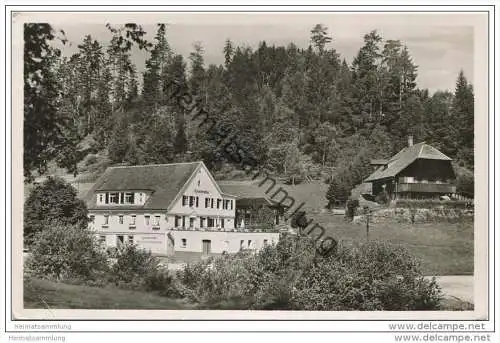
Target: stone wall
<point>415,215</point>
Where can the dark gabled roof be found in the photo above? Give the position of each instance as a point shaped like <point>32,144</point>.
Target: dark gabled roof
<point>243,189</point>
<point>248,192</point>
<point>404,158</point>
<point>164,181</point>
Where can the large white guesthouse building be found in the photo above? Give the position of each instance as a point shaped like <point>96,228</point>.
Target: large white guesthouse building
<point>167,208</point>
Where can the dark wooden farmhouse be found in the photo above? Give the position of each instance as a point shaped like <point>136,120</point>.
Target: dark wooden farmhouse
<point>417,171</point>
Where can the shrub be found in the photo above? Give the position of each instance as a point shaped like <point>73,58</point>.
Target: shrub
<point>299,220</point>
<point>162,282</point>
<point>465,181</point>
<point>337,192</point>
<point>91,159</point>
<point>377,276</point>
<point>67,252</point>
<point>53,201</point>
<point>132,267</point>
<point>264,218</point>
<point>138,269</point>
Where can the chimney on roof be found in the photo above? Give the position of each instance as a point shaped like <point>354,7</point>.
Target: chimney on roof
<point>410,140</point>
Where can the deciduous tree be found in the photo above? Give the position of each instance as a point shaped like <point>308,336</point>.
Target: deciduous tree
<point>52,202</point>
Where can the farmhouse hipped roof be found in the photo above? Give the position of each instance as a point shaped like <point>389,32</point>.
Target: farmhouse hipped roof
<point>404,158</point>
<point>164,181</point>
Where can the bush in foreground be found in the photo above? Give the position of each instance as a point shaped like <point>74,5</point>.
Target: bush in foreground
<point>292,276</point>
<point>63,252</point>
<point>137,268</point>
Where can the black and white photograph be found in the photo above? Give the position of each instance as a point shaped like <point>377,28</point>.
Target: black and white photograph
<point>241,163</point>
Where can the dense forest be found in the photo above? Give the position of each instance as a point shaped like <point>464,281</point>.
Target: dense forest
<point>301,113</point>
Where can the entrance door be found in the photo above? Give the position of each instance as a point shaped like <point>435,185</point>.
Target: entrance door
<point>119,240</point>
<point>207,246</point>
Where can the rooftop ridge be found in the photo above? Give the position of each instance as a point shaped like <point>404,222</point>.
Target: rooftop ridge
<point>421,149</point>
<point>406,148</point>
<point>155,165</point>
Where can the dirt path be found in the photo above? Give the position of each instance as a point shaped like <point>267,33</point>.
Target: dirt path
<point>457,286</point>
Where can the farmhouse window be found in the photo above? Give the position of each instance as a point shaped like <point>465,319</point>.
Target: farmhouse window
<point>191,201</point>
<point>222,223</point>
<point>212,203</point>
<point>207,202</point>
<point>230,204</point>
<point>120,219</point>
<point>184,200</point>
<point>183,242</point>
<point>191,222</point>
<point>106,219</point>
<point>183,221</point>
<point>197,201</point>
<point>218,203</point>
<point>146,220</point>
<point>202,222</point>
<point>177,220</point>
<point>224,204</point>
<point>249,244</point>
<point>132,219</point>
<point>210,222</point>
<point>101,198</point>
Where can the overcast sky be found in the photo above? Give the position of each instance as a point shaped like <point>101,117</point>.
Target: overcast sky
<point>440,45</point>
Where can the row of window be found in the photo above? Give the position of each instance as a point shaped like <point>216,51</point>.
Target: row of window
<point>120,198</point>
<point>420,179</point>
<point>180,221</point>
<point>194,201</point>
<point>148,220</point>
<point>249,243</point>
<point>120,239</point>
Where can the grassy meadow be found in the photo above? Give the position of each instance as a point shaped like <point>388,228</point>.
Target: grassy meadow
<point>40,293</point>
<point>444,248</point>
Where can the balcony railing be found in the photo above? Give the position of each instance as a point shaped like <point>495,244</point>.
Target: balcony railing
<point>221,229</point>
<point>197,228</point>
<point>427,188</point>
